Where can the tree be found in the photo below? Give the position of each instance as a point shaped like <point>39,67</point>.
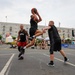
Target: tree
<point>68,41</point>
<point>13,37</point>
<point>0,37</point>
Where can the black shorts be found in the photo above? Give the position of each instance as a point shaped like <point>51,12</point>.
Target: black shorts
<point>32,31</point>
<point>55,46</point>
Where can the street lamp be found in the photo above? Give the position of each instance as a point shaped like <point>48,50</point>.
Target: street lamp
<point>6,18</point>
<point>59,24</point>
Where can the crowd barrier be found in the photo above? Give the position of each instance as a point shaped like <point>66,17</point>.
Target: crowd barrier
<point>71,46</point>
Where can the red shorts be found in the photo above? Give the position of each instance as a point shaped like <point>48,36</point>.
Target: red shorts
<point>22,44</point>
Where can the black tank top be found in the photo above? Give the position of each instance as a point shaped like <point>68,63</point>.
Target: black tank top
<point>33,24</point>
<point>53,34</point>
<point>22,35</point>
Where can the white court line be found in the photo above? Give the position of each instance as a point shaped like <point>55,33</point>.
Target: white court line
<point>61,60</point>
<point>7,65</point>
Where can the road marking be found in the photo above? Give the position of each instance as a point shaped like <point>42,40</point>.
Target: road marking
<point>8,70</point>
<point>7,65</point>
<point>61,60</point>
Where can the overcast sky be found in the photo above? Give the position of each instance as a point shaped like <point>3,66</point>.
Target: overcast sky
<point>19,11</point>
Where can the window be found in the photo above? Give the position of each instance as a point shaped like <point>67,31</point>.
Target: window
<point>3,28</point>
<point>10,29</point>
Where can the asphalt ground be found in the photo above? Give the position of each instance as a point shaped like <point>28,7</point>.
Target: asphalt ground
<point>35,62</point>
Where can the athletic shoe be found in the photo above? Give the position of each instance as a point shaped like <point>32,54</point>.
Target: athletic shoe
<point>51,64</point>
<point>21,58</point>
<point>66,60</point>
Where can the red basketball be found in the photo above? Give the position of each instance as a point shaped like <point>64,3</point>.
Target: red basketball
<point>34,10</point>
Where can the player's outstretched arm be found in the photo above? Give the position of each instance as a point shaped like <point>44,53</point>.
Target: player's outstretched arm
<point>46,28</point>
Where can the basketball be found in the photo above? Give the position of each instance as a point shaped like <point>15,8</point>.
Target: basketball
<point>34,10</point>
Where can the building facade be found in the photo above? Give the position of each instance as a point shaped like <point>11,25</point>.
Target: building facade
<point>13,28</point>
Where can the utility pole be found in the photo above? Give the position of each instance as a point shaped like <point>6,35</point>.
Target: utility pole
<point>59,24</point>
<point>6,18</point>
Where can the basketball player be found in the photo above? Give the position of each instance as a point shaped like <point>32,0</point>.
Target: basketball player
<point>34,31</point>
<point>55,42</point>
<point>22,41</point>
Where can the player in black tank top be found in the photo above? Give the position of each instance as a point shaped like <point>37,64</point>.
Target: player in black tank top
<point>34,31</point>
<point>22,34</point>
<point>33,27</point>
<point>35,19</point>
<point>55,42</point>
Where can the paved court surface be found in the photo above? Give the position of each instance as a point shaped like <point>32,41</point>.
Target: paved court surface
<point>35,62</point>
